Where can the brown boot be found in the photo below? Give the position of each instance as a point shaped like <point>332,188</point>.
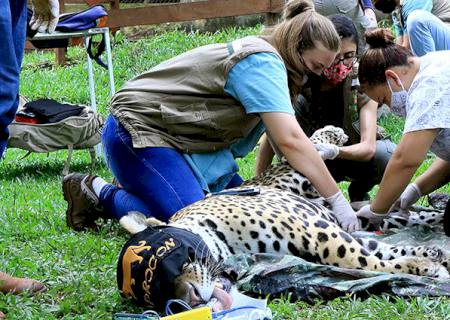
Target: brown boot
<point>83,204</point>
<point>19,285</point>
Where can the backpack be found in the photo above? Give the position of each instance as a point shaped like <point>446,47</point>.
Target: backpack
<point>69,22</point>
<point>46,125</point>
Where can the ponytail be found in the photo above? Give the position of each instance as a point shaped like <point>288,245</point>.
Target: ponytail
<point>301,29</point>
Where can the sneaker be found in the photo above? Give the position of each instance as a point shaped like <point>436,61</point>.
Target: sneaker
<point>83,204</point>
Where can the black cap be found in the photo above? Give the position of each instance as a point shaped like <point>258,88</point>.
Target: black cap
<point>152,259</point>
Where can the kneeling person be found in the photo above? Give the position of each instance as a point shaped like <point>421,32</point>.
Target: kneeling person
<point>332,99</point>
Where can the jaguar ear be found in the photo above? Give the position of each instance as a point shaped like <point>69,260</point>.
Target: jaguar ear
<point>134,222</point>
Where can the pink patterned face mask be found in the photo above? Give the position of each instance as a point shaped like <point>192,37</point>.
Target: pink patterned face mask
<point>337,73</point>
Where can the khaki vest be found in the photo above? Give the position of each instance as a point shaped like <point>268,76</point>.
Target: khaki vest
<point>181,103</point>
<point>441,9</point>
<point>353,102</point>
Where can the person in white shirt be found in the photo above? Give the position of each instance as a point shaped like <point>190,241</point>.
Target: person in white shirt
<point>418,89</point>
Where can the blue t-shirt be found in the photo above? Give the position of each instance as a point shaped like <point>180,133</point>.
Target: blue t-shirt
<point>260,83</point>
<point>408,6</point>
<point>367,4</point>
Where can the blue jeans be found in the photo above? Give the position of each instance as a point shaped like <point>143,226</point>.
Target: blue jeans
<point>156,181</point>
<point>427,33</point>
<point>13,22</point>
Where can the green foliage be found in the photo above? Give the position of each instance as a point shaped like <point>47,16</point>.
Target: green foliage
<point>79,267</point>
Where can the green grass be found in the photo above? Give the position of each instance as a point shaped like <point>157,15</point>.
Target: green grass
<point>79,268</point>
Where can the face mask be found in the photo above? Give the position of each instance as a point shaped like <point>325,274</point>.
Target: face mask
<point>398,100</point>
<point>337,73</point>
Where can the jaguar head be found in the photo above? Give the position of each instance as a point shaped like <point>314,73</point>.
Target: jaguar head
<point>329,134</point>
<point>200,282</point>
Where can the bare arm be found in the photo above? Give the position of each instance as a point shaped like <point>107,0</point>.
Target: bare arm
<point>365,149</point>
<point>408,156</point>
<point>399,40</point>
<point>403,41</point>
<point>265,155</point>
<point>434,177</point>
<point>299,151</point>
<point>406,42</point>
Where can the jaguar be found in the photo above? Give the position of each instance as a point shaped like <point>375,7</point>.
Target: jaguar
<point>280,212</point>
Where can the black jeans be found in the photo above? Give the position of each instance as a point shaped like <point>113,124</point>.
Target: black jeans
<point>362,175</point>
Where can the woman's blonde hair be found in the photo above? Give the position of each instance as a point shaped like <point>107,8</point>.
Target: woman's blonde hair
<point>301,29</point>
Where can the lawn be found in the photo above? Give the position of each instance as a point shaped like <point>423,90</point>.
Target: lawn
<point>79,268</point>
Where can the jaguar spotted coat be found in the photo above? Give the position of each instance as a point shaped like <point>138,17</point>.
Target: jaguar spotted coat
<point>287,216</point>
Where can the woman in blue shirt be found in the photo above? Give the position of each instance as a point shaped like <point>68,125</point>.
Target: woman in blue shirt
<point>153,144</point>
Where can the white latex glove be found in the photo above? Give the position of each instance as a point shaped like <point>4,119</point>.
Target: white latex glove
<point>410,196</point>
<point>327,151</point>
<point>343,212</point>
<point>45,15</point>
<point>374,218</point>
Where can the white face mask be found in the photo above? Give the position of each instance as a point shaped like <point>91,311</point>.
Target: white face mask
<point>398,100</point>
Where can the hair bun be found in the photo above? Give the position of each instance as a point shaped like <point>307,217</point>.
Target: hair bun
<point>379,38</point>
<point>294,7</point>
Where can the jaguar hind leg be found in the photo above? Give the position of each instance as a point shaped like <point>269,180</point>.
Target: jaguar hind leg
<point>398,220</point>
<point>333,246</point>
<point>386,251</point>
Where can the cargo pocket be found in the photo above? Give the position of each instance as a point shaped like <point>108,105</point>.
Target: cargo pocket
<point>187,120</point>
<point>345,6</point>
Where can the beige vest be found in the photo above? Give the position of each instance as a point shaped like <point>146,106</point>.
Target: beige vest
<point>441,9</point>
<point>181,103</point>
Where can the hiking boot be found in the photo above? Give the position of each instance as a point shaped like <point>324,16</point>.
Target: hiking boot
<point>83,204</point>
